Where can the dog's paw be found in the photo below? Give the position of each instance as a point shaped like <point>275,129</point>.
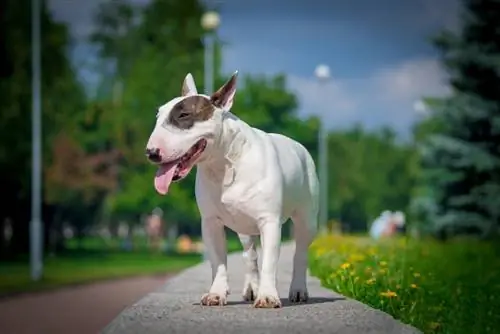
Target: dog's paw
<point>250,290</point>
<point>298,295</point>
<point>214,299</point>
<point>267,300</point>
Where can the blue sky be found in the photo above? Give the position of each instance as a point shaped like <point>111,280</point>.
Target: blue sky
<point>378,51</point>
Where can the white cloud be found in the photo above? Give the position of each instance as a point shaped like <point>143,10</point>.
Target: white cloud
<point>386,97</point>
<point>410,80</point>
<point>331,99</point>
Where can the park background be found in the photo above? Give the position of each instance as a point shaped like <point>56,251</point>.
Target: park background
<point>412,109</point>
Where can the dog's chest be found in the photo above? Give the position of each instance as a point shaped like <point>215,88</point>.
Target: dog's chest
<point>230,203</point>
<point>237,216</point>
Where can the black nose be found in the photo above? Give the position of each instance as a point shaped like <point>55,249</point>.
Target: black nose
<point>153,154</point>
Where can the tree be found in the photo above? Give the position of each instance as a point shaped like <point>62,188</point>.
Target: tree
<point>62,99</point>
<point>369,172</point>
<point>462,160</point>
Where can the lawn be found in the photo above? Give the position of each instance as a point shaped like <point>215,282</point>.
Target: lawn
<point>451,287</point>
<point>93,260</point>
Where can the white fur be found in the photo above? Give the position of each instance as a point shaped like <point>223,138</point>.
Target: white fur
<point>251,182</point>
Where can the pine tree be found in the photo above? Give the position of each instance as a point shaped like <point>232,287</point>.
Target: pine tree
<point>462,161</point>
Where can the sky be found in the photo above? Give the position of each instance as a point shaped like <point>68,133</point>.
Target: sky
<point>380,58</point>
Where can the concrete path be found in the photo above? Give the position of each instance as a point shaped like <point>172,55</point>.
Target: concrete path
<point>84,309</point>
<point>175,308</point>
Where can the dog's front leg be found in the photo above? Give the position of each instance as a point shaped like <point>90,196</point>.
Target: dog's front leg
<point>214,239</point>
<point>270,236</point>
<point>251,285</point>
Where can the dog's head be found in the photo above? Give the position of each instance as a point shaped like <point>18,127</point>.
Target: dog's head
<point>186,128</point>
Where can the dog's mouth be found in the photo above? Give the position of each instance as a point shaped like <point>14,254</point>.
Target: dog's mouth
<point>178,169</point>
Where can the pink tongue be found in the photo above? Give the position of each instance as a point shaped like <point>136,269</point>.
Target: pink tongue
<point>164,177</point>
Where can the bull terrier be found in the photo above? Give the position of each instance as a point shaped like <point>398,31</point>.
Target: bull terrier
<point>246,179</point>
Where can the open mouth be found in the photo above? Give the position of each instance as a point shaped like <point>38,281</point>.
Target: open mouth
<point>178,169</point>
<point>185,163</point>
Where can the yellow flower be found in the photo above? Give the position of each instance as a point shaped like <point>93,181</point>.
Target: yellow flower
<point>413,286</point>
<point>345,265</point>
<point>383,263</point>
<point>370,281</point>
<point>320,251</point>
<point>416,274</point>
<point>389,294</point>
<point>356,258</point>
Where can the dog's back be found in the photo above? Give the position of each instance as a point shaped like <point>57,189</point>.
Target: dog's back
<point>300,181</point>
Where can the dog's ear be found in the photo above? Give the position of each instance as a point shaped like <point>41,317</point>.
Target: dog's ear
<point>223,98</point>
<point>188,86</point>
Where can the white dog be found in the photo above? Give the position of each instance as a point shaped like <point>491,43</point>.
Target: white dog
<point>247,180</point>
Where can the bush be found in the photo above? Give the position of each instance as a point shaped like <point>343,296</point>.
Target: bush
<point>449,287</point>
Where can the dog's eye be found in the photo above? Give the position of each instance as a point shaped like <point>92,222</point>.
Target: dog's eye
<point>183,115</point>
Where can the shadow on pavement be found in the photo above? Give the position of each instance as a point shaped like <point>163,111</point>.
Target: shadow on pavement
<point>286,303</point>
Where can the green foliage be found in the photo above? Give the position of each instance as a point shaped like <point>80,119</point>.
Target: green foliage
<point>369,173</point>
<point>461,159</point>
<point>62,99</point>
<point>436,287</point>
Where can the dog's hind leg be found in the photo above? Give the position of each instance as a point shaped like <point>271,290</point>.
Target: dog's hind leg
<point>304,231</point>
<point>251,266</point>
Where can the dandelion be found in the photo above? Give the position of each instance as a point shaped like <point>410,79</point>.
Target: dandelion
<point>389,294</point>
<point>357,257</point>
<point>320,251</point>
<point>370,281</point>
<point>383,263</point>
<point>413,286</point>
<point>345,265</point>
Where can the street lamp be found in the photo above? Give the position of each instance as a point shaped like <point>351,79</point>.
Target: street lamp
<point>36,238</point>
<point>420,108</point>
<point>210,21</point>
<point>322,73</point>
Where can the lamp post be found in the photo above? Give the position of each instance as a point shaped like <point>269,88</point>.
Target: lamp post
<point>36,235</point>
<point>322,73</point>
<point>210,21</point>
<point>420,108</point>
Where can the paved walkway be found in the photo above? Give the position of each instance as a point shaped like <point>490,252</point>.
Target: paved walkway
<point>84,309</point>
<point>175,308</point>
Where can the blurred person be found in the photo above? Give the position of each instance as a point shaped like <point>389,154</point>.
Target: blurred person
<point>399,220</point>
<point>379,226</point>
<point>154,229</point>
<point>394,224</point>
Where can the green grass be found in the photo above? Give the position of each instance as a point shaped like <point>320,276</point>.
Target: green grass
<point>449,287</point>
<point>92,260</point>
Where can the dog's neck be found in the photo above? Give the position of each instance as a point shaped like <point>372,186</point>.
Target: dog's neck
<point>227,148</point>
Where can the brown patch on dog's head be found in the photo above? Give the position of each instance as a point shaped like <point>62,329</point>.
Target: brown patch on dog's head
<point>190,110</point>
